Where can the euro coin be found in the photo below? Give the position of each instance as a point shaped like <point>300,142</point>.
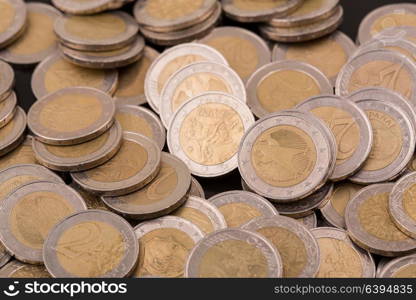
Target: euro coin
<point>17,269</point>
<point>7,109</point>
<point>401,267</point>
<point>13,15</point>
<point>12,135</point>
<point>87,7</point>
<point>400,45</point>
<point>309,221</point>
<point>22,154</point>
<point>196,189</point>
<point>6,80</point>
<point>4,257</point>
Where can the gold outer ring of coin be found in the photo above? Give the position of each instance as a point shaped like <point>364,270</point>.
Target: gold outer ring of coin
<point>394,266</point>
<point>16,136</point>
<point>8,109</point>
<point>86,8</point>
<point>6,80</point>
<point>18,25</point>
<point>131,247</point>
<point>30,271</point>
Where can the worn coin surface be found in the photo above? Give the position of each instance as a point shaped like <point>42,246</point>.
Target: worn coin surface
<point>172,60</point>
<point>196,79</point>
<point>13,15</point>
<point>340,257</point>
<point>370,226</point>
<point>7,109</point>
<point>309,221</point>
<point>17,269</point>
<point>12,135</point>
<point>401,267</point>
<point>29,213</point>
<point>77,7</point>
<point>206,132</point>
<point>196,189</point>
<point>166,192</point>
<point>234,253</point>
<point>284,84</point>
<point>169,240</point>
<point>6,80</point>
<point>240,207</point>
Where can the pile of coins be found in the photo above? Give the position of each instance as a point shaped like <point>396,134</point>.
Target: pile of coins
<point>104,183</point>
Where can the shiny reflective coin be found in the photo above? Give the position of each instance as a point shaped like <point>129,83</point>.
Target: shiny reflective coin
<point>284,84</point>
<point>100,32</point>
<point>247,255</point>
<point>401,267</point>
<point>22,154</point>
<point>175,236</point>
<point>386,160</point>
<point>82,156</point>
<point>271,164</point>
<point>308,12</point>
<point>351,128</point>
<point>55,73</point>
<point>38,40</point>
<point>166,192</point>
<point>7,109</point>
<point>296,245</point>
<point>169,62</point>
<point>130,88</point>
<point>108,59</point>
<point>244,50</point>
<point>196,189</point>
<point>87,7</point>
<point>135,164</point>
<point>30,212</point>
<point>385,17</point>
<point>12,135</point>
<point>240,207</point>
<point>304,32</point>
<point>257,11</point>
<point>71,116</point>
<point>17,269</point>
<point>309,221</point>
<point>206,132</point>
<point>334,210</point>
<point>4,257</point>
<point>13,14</point>
<point>379,68</point>
<point>141,120</point>
<point>202,213</point>
<point>196,79</point>
<point>166,16</point>
<point>402,46</point>
<point>328,54</point>
<point>93,229</point>
<point>341,258</point>
<point>6,79</point>
<point>370,226</point>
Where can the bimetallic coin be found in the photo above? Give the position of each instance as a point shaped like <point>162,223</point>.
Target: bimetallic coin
<point>13,15</point>
<point>240,207</point>
<point>341,258</point>
<point>17,269</point>
<point>6,79</point>
<point>385,17</point>
<point>135,164</point>
<point>82,156</point>
<point>12,135</point>
<point>403,46</point>
<point>169,62</point>
<point>284,84</point>
<point>296,245</point>
<point>142,121</point>
<point>130,88</point>
<point>100,32</point>
<point>370,226</point>
<point>196,189</point>
<point>176,237</point>
<point>29,213</point>
<point>328,54</point>
<point>87,7</point>
<point>401,267</point>
<point>22,154</point>
<point>309,221</point>
<point>194,80</point>
<point>202,213</point>
<point>4,257</point>
<point>351,128</point>
<point>7,109</point>
<point>166,192</point>
<point>38,40</point>
<point>71,116</point>
<point>92,201</point>
<point>206,132</point>
<point>399,32</point>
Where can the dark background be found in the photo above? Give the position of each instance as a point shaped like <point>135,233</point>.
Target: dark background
<point>354,12</point>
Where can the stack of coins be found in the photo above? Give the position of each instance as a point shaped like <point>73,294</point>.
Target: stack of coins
<point>14,21</point>
<point>75,7</point>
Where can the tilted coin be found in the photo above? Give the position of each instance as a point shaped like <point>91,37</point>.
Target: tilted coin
<point>284,84</point>
<point>169,62</point>
<point>202,213</point>
<point>7,109</point>
<point>334,211</point>
<point>399,32</point>
<point>403,46</point>
<point>12,135</point>
<point>206,132</point>
<point>309,221</point>
<point>328,54</point>
<point>82,156</point>
<point>4,257</point>
<point>166,192</point>
<point>195,79</point>
<point>381,265</point>
<point>38,40</point>
<point>196,189</point>
<point>340,257</point>
<point>176,237</point>
<point>351,128</point>
<point>100,32</point>
<point>370,226</point>
<point>86,7</point>
<point>22,154</point>
<point>240,207</point>
<point>29,213</point>
<point>71,116</point>
<point>379,68</point>
<point>385,17</point>
<point>130,88</point>
<point>6,79</point>
<point>13,14</point>
<point>135,164</point>
<point>296,245</point>
<point>141,120</point>
<point>386,160</point>
<point>17,269</point>
<point>70,249</point>
<point>401,267</point>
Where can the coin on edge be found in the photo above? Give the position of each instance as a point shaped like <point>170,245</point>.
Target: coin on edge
<point>12,135</point>
<point>6,80</point>
<point>401,267</point>
<point>17,269</point>
<point>196,189</point>
<point>22,154</point>
<point>14,14</point>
